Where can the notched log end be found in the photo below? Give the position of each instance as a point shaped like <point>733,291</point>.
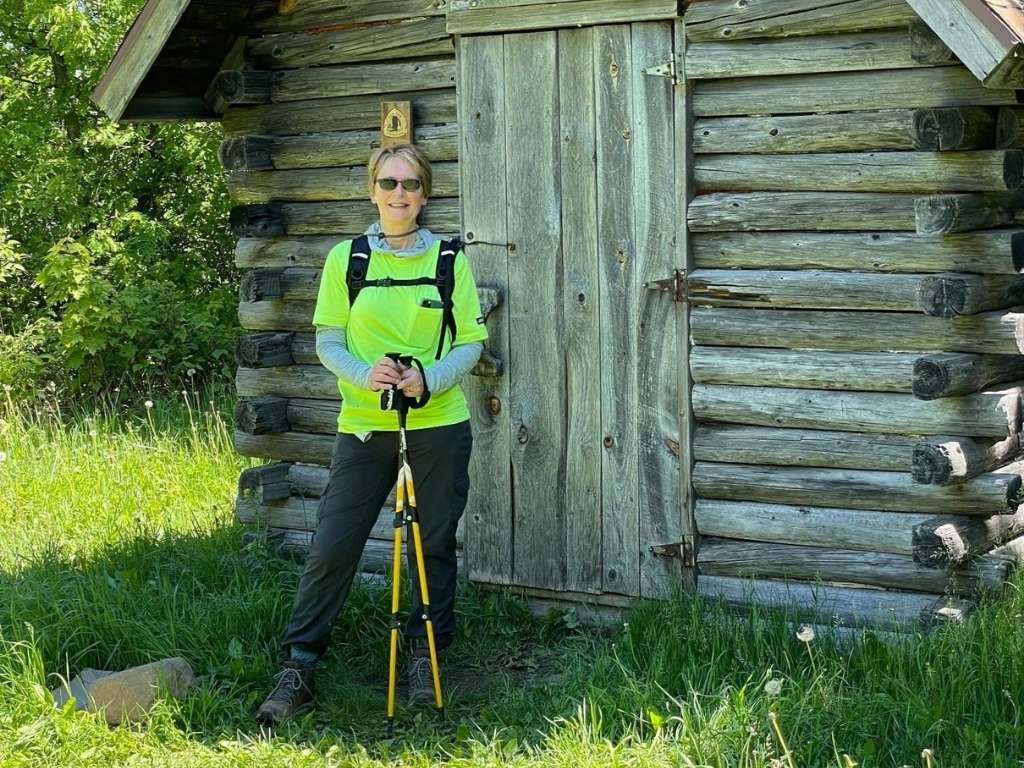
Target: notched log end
<point>930,464</point>
<point>246,153</point>
<point>942,129</point>
<point>1013,168</point>
<point>943,295</point>
<point>487,365</point>
<point>262,484</point>
<point>264,350</point>
<point>261,285</point>
<point>260,220</point>
<point>262,415</point>
<point>931,378</point>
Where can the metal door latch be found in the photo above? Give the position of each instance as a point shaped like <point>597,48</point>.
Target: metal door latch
<point>683,550</point>
<point>675,285</point>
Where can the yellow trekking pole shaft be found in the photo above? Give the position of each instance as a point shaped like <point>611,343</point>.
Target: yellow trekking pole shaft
<point>421,571</point>
<point>396,574</point>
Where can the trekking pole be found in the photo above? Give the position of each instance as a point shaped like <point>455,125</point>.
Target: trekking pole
<point>406,513</point>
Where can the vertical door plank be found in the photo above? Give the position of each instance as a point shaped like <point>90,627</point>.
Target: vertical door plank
<point>580,310</point>
<point>482,114</point>
<point>617,249</point>
<point>657,215</point>
<point>537,370</point>
<point>684,260</point>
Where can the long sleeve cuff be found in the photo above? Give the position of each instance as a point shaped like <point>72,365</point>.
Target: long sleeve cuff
<point>449,370</point>
<point>332,349</point>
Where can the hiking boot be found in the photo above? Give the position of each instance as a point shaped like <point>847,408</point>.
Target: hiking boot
<point>293,691</point>
<point>421,679</point>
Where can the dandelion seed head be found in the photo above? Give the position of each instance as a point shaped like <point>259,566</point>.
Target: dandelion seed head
<point>773,687</point>
<point>191,372</point>
<point>805,633</point>
<point>148,404</point>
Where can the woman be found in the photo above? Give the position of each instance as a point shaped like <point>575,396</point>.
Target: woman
<point>352,340</point>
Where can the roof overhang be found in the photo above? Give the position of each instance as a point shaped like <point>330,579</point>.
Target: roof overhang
<point>136,54</point>
<point>986,35</point>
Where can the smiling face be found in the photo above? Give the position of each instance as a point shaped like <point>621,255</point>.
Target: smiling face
<point>398,208</point>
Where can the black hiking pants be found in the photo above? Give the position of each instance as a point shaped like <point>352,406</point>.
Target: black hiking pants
<point>361,476</point>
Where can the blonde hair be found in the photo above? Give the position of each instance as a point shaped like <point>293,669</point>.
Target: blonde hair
<point>408,152</point>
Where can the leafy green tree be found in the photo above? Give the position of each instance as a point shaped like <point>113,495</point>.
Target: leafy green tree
<point>115,257</point>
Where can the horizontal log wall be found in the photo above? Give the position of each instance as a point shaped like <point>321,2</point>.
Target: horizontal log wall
<point>303,117</point>
<point>854,307</point>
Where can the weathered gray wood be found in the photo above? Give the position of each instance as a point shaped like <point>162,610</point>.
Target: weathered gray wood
<point>1012,551</point>
<point>951,373</point>
<point>945,541</point>
<point>993,414</point>
<point>935,129</point>
<point>746,559</point>
<point>927,48</point>
<point>265,484</point>
<point>738,444</point>
<point>262,415</point>
<point>262,350</point>
<point>319,184</point>
<point>279,218</point>
<point>949,459</point>
<point>242,86</point>
<point>943,214</point>
<point>299,513</point>
<point>947,128</point>
<point>994,252</point>
<point>684,258</point>
<point>328,149</point>
<point>982,171</point>
<point>846,92</point>
<point>491,16</point>
<point>655,206</point>
<point>846,606</point>
<point>860,489</point>
<point>820,526</point>
<point>538,406</point>
<point>937,295</point>
<point>287,381</point>
<point>482,168</point>
<point>316,14</point>
<point>342,113</point>
<point>580,306</point>
<point>355,79</point>
<point>1010,127</point>
<point>845,132</point>
<point>290,283</point>
<point>317,416</point>
<point>953,295</point>
<point>980,48</point>
<point>998,333</point>
<point>405,39</point>
<point>883,49</point>
<point>287,446</point>
<point>875,372</point>
<point>136,54</point>
<point>617,286</point>
<point>276,315</point>
<point>744,212</point>
<point>730,20</point>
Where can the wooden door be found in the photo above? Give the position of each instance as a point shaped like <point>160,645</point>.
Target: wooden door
<point>569,202</point>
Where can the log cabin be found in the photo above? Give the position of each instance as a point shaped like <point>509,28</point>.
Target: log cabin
<point>751,268</point>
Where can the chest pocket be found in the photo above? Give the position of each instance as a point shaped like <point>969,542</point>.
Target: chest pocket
<point>423,324</point>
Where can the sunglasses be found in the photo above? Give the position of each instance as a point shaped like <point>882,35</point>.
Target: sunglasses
<point>409,185</point>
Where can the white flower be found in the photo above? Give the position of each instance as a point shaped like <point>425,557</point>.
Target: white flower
<point>773,687</point>
<point>805,633</point>
<point>191,372</point>
<point>78,73</point>
<point>184,393</point>
<point>8,387</point>
<point>3,456</point>
<point>148,404</point>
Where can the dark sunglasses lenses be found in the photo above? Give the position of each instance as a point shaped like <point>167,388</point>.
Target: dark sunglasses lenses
<point>409,185</point>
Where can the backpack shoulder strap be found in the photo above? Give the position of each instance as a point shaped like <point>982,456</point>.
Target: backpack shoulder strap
<point>445,279</point>
<point>358,264</point>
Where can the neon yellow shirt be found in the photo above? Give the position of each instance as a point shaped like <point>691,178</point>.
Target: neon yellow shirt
<point>393,319</point>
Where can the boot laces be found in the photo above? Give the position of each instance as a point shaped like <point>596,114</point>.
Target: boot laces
<point>289,682</point>
<point>419,672</point>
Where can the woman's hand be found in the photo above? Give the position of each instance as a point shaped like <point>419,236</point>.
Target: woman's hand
<point>411,382</point>
<point>385,374</point>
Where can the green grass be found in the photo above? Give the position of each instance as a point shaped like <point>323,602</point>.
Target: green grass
<point>117,547</point>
